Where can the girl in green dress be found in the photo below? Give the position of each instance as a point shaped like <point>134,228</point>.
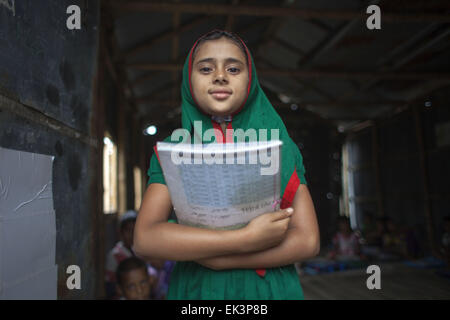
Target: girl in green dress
<point>220,88</point>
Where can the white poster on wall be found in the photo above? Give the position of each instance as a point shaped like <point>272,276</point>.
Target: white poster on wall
<point>27,226</point>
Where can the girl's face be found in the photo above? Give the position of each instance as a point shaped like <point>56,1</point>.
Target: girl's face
<point>219,77</point>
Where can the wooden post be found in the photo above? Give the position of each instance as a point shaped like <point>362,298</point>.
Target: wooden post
<point>175,51</point>
<point>96,168</point>
<point>121,149</point>
<point>376,169</point>
<point>426,193</point>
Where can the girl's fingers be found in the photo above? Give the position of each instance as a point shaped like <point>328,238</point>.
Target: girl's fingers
<point>282,214</point>
<point>283,223</point>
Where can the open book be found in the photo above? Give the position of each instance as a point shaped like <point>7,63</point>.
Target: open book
<point>221,186</point>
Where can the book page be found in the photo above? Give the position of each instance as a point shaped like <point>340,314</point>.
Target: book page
<point>227,193</point>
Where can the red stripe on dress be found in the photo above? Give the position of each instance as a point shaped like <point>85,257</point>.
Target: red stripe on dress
<point>286,202</point>
<point>290,190</point>
<point>220,138</point>
<point>156,152</point>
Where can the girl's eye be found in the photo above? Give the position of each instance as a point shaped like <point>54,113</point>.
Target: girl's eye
<point>233,70</point>
<point>205,69</point>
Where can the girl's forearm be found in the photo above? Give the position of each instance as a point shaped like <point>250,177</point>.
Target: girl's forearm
<point>177,242</point>
<point>294,248</point>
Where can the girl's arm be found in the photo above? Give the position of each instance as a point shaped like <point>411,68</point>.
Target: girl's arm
<point>302,241</point>
<point>155,238</point>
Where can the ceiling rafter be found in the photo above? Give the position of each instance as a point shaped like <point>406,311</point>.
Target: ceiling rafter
<point>385,66</point>
<point>166,35</point>
<point>330,41</point>
<point>272,11</point>
<point>118,72</point>
<point>364,75</point>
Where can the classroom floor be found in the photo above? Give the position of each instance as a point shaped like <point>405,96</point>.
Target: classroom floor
<point>398,281</point>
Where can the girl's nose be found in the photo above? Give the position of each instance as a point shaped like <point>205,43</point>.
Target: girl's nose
<point>220,78</point>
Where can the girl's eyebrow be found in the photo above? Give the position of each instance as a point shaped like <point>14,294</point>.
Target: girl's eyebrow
<point>227,60</point>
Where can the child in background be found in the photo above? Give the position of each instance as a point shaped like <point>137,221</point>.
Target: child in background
<point>220,88</point>
<point>345,242</point>
<point>394,243</point>
<point>133,280</point>
<point>121,251</point>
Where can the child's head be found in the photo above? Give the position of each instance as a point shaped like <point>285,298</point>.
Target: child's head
<point>133,281</point>
<point>344,225</point>
<point>127,223</point>
<point>220,75</point>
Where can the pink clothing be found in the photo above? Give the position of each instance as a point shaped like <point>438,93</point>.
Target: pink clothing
<point>115,256</point>
<point>346,246</point>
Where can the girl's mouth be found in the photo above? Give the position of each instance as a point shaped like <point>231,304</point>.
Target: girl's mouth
<point>221,95</point>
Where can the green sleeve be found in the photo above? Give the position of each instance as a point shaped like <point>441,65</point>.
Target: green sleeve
<point>155,171</point>
<point>156,176</point>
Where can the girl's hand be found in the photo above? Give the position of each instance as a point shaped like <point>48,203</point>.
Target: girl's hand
<point>267,230</point>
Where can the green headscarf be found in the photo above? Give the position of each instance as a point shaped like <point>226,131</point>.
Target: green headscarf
<point>256,112</point>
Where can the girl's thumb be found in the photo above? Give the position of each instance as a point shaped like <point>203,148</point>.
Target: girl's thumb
<point>282,214</point>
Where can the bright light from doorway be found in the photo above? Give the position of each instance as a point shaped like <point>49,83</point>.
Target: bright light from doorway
<point>151,130</point>
<point>109,175</point>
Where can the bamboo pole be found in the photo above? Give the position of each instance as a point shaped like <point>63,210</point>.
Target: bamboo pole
<point>424,172</point>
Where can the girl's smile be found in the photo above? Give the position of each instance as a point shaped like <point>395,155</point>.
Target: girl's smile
<point>219,77</point>
<point>221,94</point>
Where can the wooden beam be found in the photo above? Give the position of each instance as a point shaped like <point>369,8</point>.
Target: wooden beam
<point>307,84</point>
<point>152,96</point>
<point>424,173</point>
<point>331,39</point>
<point>120,72</point>
<point>311,74</point>
<point>332,104</point>
<point>288,46</point>
<point>230,18</point>
<point>149,43</point>
<point>175,50</point>
<point>272,11</point>
<point>97,128</point>
<point>376,170</point>
<point>384,65</point>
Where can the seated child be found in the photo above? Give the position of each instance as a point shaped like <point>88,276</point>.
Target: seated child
<point>120,252</point>
<point>398,242</point>
<point>345,242</point>
<point>133,280</point>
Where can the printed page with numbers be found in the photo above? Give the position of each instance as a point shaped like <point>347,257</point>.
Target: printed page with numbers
<point>221,186</point>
